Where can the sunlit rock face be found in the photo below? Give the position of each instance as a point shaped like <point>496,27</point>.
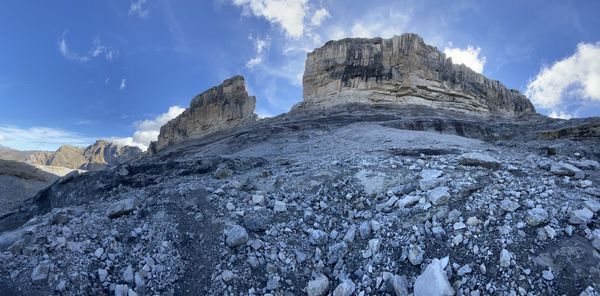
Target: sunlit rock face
<point>221,107</point>
<point>401,70</point>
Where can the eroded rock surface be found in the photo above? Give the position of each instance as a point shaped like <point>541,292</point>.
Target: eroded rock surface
<point>219,108</point>
<point>402,70</point>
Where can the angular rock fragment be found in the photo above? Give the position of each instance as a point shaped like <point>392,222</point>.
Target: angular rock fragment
<point>439,195</point>
<point>120,208</point>
<point>479,159</point>
<point>318,286</point>
<point>434,281</point>
<point>236,236</point>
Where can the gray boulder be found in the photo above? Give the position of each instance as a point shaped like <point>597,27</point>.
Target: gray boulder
<point>479,159</point>
<point>236,236</point>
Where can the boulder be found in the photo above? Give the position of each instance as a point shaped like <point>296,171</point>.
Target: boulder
<point>439,195</point>
<point>318,286</point>
<point>434,281</point>
<point>121,208</point>
<point>236,236</point>
<point>479,159</point>
<point>566,169</point>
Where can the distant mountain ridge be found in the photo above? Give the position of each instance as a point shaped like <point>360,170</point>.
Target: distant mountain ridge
<point>100,155</point>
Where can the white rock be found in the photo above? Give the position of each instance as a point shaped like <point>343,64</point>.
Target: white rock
<point>593,205</point>
<point>346,288</point>
<point>536,216</point>
<point>415,255</point>
<point>509,205</point>
<point>280,206</point>
<point>98,253</point>
<point>434,281</point>
<point>40,272</point>
<point>318,286</point>
<point>121,290</point>
<point>128,274</point>
<point>400,285</point>
<point>505,257</point>
<point>547,275</point>
<point>439,195</point>
<point>227,276</point>
<point>407,201</point>
<point>102,275</point>
<point>583,216</point>
<point>430,179</point>
<point>258,199</point>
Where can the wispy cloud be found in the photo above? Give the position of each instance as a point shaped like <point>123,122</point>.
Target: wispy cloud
<point>260,46</point>
<point>468,56</point>
<point>136,9</point>
<point>319,16</point>
<point>98,50</point>
<point>149,129</point>
<point>123,84</point>
<point>40,138</point>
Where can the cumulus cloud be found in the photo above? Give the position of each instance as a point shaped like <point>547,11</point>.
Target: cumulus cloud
<point>577,76</point>
<point>468,56</point>
<point>288,14</point>
<point>319,16</point>
<point>148,130</point>
<point>97,50</point>
<point>136,9</point>
<point>123,84</point>
<point>40,138</point>
<point>260,45</point>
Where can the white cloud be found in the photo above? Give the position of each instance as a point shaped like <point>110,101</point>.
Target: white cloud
<point>560,114</point>
<point>40,138</point>
<point>260,45</point>
<point>319,16</point>
<point>289,14</point>
<point>97,50</point>
<point>575,76</point>
<point>149,129</point>
<point>468,56</point>
<point>123,84</point>
<point>136,9</point>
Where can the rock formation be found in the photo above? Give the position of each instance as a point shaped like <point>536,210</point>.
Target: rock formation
<point>221,107</point>
<point>100,155</point>
<point>401,70</point>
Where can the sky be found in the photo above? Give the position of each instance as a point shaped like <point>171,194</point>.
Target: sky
<point>75,71</point>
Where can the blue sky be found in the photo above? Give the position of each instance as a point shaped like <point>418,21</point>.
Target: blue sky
<point>75,71</point>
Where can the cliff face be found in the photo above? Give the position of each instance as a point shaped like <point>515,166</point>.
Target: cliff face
<point>401,70</point>
<point>221,107</point>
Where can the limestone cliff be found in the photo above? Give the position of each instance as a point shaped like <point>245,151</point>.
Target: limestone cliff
<point>401,70</point>
<point>221,107</point>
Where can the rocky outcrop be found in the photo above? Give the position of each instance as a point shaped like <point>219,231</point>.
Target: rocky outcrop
<point>100,155</point>
<point>219,108</point>
<point>402,70</point>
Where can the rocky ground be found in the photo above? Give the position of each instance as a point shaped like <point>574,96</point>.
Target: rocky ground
<point>326,206</point>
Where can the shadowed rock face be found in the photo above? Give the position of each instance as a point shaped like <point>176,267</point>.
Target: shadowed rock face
<point>216,109</point>
<point>402,70</point>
